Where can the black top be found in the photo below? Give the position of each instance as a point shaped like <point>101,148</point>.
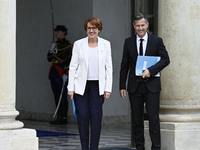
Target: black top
<point>64,53</point>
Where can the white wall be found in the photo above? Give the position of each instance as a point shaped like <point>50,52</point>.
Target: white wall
<point>116,18</point>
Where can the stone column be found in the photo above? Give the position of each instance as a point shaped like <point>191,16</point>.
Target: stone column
<point>178,25</point>
<point>12,135</point>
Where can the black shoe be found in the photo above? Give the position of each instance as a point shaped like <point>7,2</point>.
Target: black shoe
<point>59,121</point>
<point>63,121</point>
<point>54,122</point>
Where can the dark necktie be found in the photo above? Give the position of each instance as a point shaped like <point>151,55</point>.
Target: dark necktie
<point>141,47</point>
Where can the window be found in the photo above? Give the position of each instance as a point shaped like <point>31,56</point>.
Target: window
<point>150,9</point>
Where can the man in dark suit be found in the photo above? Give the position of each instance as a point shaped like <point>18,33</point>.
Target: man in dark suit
<point>146,88</point>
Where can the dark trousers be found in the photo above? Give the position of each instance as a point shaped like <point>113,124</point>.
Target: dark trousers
<point>89,112</point>
<point>137,100</point>
<point>56,85</point>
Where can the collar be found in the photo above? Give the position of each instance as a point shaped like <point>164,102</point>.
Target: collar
<point>145,37</point>
<point>63,39</point>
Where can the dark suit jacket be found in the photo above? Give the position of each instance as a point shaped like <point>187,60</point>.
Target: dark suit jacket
<point>155,47</point>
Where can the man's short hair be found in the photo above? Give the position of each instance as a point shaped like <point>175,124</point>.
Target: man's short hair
<point>140,16</point>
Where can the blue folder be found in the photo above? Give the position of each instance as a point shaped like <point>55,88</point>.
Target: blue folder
<point>144,62</point>
<point>74,108</point>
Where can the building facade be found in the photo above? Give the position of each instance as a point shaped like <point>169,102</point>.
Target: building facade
<point>26,34</point>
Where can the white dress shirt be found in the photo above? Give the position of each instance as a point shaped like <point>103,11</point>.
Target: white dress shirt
<point>144,43</point>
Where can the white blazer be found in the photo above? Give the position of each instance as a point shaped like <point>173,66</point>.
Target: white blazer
<point>78,70</point>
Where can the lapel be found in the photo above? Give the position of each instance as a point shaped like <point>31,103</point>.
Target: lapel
<point>148,48</point>
<point>101,49</point>
<point>85,50</point>
<point>133,47</point>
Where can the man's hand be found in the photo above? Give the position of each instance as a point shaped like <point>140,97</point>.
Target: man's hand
<point>122,93</point>
<point>71,94</point>
<point>106,95</point>
<point>146,74</point>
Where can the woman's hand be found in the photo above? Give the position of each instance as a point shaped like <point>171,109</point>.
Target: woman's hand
<point>106,95</point>
<point>71,94</point>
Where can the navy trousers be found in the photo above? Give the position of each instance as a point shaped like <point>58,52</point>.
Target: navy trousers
<point>137,100</point>
<point>56,84</point>
<point>89,112</point>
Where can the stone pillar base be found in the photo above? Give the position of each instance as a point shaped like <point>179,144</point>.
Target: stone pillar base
<point>176,136</point>
<point>19,139</point>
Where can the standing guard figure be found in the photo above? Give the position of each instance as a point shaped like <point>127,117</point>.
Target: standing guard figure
<point>60,54</point>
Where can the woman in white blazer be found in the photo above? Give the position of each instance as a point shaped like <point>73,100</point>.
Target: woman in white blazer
<point>90,81</point>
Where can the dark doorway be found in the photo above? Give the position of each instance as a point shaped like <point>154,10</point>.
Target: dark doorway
<point>150,9</point>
